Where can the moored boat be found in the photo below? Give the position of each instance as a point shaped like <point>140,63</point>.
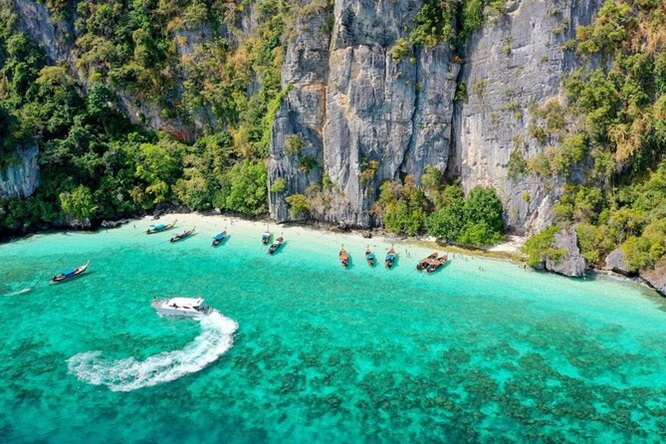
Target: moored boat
<point>435,264</point>
<point>160,227</point>
<point>275,245</point>
<point>188,307</point>
<point>344,257</point>
<point>423,263</point>
<point>69,274</point>
<point>219,237</point>
<point>370,256</point>
<point>266,237</point>
<point>390,257</point>
<point>182,235</point>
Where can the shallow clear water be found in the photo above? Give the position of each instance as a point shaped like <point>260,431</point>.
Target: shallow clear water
<point>481,351</point>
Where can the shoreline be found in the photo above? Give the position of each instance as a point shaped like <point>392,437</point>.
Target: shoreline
<point>508,251</point>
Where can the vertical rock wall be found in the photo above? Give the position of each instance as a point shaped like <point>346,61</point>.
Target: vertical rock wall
<point>512,62</point>
<point>22,178</point>
<point>374,108</point>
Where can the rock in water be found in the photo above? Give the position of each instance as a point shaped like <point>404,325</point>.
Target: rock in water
<point>617,262</point>
<point>571,264</point>
<point>657,277</point>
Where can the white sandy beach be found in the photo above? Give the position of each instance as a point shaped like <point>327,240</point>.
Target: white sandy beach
<point>326,238</point>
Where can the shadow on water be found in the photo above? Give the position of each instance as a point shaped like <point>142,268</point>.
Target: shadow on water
<point>184,239</point>
<point>396,262</point>
<point>223,242</point>
<point>75,278</point>
<point>280,248</point>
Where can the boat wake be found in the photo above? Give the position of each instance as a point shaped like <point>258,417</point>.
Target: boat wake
<point>129,374</point>
<point>22,291</point>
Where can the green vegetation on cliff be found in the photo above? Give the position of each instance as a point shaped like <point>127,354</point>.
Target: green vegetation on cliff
<point>612,149</point>
<point>94,162</point>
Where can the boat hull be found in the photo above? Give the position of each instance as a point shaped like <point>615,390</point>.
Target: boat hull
<point>166,311</point>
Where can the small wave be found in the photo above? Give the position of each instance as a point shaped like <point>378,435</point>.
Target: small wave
<point>129,374</point>
<point>21,291</point>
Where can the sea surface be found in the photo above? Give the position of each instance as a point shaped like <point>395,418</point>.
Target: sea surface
<point>303,351</point>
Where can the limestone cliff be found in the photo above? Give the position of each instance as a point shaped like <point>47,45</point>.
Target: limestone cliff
<point>516,60</point>
<point>368,106</point>
<point>354,102</point>
<point>21,178</point>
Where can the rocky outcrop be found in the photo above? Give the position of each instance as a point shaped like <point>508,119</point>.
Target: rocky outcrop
<point>515,60</point>
<point>656,277</point>
<point>616,262</point>
<point>58,39</point>
<point>303,113</point>
<point>22,177</point>
<point>571,264</point>
<point>55,36</point>
<point>372,107</point>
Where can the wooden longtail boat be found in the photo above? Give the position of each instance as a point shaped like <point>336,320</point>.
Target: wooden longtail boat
<point>160,227</point>
<point>436,263</point>
<point>69,274</point>
<point>370,256</point>
<point>423,263</point>
<point>275,245</point>
<point>390,257</point>
<point>266,237</point>
<point>344,257</point>
<point>219,237</point>
<point>182,235</point>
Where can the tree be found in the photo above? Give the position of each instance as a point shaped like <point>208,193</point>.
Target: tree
<point>483,206</point>
<point>78,203</point>
<point>247,188</point>
<point>448,223</point>
<point>299,205</point>
<point>159,169</point>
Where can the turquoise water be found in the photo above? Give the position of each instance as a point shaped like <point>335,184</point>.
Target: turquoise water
<point>482,351</point>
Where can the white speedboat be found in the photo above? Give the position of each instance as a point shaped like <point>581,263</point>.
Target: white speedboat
<point>190,307</point>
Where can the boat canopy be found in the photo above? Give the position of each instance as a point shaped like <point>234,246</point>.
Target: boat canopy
<point>390,256</point>
<point>266,234</point>
<point>158,227</point>
<point>185,302</point>
<point>219,236</point>
<point>68,272</point>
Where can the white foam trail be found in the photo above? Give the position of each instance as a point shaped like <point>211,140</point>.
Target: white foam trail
<point>22,291</point>
<point>125,375</point>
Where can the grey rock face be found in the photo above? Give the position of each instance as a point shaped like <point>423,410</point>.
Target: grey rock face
<point>617,262</point>
<point>22,178</point>
<point>58,39</point>
<point>375,108</point>
<point>657,277</point>
<point>303,112</point>
<point>55,36</point>
<point>516,61</point>
<point>572,264</point>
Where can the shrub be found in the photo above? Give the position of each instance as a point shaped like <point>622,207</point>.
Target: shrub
<point>540,247</point>
<point>279,185</point>
<point>299,205</point>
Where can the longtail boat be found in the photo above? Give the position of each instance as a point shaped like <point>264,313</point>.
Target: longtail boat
<point>69,274</point>
<point>436,263</point>
<point>182,235</point>
<point>275,245</point>
<point>390,257</point>
<point>160,227</point>
<point>219,237</point>
<point>370,256</point>
<point>344,257</point>
<point>423,263</point>
<point>266,237</point>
